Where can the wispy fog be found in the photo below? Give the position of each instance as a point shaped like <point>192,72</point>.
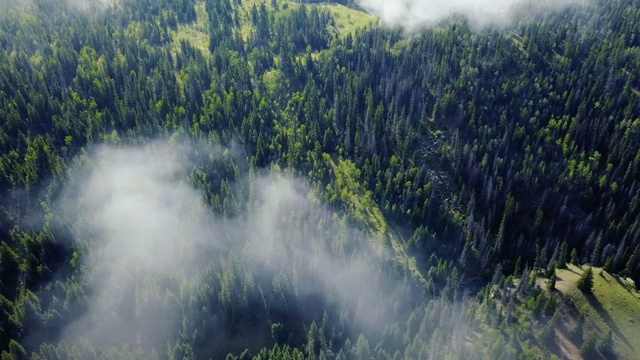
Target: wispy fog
<point>90,5</point>
<point>148,231</point>
<point>141,220</point>
<point>81,6</point>
<point>413,14</point>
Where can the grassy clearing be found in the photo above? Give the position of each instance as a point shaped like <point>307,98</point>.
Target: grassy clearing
<point>360,203</point>
<point>348,20</point>
<point>197,34</point>
<point>244,8</point>
<point>614,304</point>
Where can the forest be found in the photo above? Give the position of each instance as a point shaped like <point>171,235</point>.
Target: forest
<point>280,179</point>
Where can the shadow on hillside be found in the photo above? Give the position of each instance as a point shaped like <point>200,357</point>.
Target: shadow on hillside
<point>621,283</point>
<point>573,271</point>
<point>604,277</point>
<point>555,347</point>
<point>607,356</point>
<point>629,287</point>
<point>617,277</point>
<point>604,314</point>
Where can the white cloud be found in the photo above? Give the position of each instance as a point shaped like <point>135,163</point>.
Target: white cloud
<point>413,14</point>
<point>143,223</point>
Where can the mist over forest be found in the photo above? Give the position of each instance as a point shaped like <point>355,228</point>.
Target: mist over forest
<point>231,179</point>
<point>145,222</point>
<point>413,15</point>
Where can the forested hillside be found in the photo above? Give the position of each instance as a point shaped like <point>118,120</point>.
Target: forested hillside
<point>279,179</point>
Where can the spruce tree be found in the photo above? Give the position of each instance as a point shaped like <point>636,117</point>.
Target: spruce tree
<point>574,256</point>
<point>585,283</point>
<point>562,258</point>
<point>551,284</point>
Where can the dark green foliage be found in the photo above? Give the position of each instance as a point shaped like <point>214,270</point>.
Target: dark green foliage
<point>608,264</point>
<point>551,283</point>
<point>551,271</point>
<point>562,257</point>
<point>489,146</point>
<point>574,257</point>
<point>15,351</point>
<point>517,267</point>
<point>585,282</point>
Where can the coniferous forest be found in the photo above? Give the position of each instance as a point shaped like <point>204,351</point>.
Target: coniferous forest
<point>279,179</point>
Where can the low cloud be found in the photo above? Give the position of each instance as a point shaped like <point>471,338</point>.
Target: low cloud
<point>414,14</point>
<point>144,232</point>
<point>80,6</point>
<point>139,220</point>
<point>90,5</point>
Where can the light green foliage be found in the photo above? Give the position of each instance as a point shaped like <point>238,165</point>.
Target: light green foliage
<point>348,20</point>
<point>197,34</point>
<point>439,154</point>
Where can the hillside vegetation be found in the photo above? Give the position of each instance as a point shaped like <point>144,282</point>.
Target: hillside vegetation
<point>275,179</point>
<point>614,306</point>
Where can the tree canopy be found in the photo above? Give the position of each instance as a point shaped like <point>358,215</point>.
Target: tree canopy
<point>467,162</point>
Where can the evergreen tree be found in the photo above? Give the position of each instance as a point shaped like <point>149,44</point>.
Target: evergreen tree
<point>574,257</point>
<point>585,283</point>
<point>551,283</point>
<point>562,257</point>
<point>551,270</point>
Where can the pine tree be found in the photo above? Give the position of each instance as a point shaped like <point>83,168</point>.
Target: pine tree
<point>596,254</point>
<point>608,264</point>
<point>551,270</point>
<point>516,270</point>
<point>562,258</point>
<point>585,283</point>
<point>574,256</point>
<point>629,267</point>
<point>551,284</point>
